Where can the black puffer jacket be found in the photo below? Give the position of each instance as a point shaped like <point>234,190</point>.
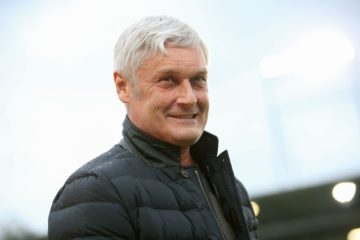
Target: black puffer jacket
<point>140,192</point>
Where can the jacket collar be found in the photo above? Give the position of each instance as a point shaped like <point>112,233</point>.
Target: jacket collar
<point>162,154</point>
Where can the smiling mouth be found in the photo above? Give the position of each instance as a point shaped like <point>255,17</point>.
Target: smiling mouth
<point>185,116</point>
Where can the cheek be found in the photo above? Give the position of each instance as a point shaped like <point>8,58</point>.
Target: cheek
<point>163,100</point>
<point>203,99</point>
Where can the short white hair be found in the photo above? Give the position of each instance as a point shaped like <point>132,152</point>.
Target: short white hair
<point>149,36</point>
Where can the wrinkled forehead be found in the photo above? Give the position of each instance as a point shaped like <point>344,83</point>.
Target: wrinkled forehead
<point>184,58</point>
<point>195,47</point>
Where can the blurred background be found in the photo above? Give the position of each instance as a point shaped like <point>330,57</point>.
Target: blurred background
<point>284,80</point>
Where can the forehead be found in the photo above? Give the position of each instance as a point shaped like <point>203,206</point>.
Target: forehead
<point>176,59</point>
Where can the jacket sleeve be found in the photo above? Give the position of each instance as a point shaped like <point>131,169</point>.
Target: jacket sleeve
<point>248,210</point>
<point>89,207</point>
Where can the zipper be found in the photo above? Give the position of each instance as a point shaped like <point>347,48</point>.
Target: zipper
<point>207,199</point>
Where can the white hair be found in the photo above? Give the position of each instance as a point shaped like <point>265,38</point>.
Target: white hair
<point>149,36</point>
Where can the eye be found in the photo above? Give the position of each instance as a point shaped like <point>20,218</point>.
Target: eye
<point>201,78</point>
<point>200,81</point>
<point>167,79</point>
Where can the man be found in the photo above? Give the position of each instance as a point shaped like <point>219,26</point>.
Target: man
<point>164,179</point>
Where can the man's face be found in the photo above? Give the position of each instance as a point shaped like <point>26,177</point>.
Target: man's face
<point>170,100</point>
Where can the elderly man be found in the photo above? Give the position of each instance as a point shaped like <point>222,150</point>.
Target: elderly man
<point>164,180</point>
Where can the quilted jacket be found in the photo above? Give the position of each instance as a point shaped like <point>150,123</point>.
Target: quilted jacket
<point>138,190</point>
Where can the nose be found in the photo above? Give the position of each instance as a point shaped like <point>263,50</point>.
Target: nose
<point>186,95</point>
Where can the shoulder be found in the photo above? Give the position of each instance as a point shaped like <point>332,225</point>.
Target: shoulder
<point>90,197</point>
<point>102,178</point>
<point>103,163</point>
<point>114,163</point>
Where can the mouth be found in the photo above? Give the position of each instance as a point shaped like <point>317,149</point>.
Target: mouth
<point>185,116</point>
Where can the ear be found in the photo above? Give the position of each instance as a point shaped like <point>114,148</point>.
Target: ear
<point>122,87</point>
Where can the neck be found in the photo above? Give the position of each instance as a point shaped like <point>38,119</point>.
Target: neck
<point>185,157</point>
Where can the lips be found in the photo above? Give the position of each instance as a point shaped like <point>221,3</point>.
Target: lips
<point>184,116</point>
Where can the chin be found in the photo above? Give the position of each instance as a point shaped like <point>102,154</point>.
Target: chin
<point>187,140</point>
